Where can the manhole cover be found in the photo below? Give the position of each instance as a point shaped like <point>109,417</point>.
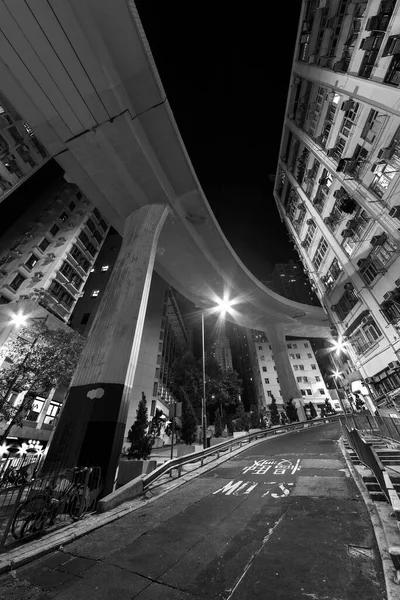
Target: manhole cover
<point>358,551</point>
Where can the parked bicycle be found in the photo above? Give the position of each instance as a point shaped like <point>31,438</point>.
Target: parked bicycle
<point>63,495</point>
<point>18,476</point>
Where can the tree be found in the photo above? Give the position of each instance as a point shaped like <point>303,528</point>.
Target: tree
<point>242,421</point>
<point>313,412</point>
<point>156,423</point>
<point>141,441</point>
<point>37,360</point>
<point>274,411</point>
<point>291,411</point>
<point>218,424</point>
<point>254,417</point>
<point>189,423</point>
<point>328,408</point>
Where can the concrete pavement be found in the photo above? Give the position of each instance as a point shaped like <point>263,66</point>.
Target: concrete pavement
<point>282,520</point>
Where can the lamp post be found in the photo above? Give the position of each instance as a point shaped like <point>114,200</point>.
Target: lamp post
<point>222,307</point>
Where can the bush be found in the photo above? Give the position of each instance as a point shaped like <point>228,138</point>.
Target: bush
<point>274,412</point>
<point>218,427</point>
<point>242,421</point>
<point>189,423</point>
<point>141,441</point>
<point>313,412</point>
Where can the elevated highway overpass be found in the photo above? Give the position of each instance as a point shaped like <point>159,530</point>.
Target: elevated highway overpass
<point>81,73</point>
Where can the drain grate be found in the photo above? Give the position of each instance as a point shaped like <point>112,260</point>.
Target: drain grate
<point>360,551</point>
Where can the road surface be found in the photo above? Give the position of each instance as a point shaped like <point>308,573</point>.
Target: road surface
<point>282,520</point>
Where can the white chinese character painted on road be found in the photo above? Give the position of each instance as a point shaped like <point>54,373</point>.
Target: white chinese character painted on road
<point>236,488</point>
<point>285,490</point>
<point>260,467</point>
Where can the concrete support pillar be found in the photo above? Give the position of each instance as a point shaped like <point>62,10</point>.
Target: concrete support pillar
<point>92,423</point>
<point>287,380</point>
<point>45,408</point>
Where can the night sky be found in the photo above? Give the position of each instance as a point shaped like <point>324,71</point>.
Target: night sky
<point>226,74</point>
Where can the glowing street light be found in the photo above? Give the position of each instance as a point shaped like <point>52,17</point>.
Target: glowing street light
<point>222,306</point>
<point>338,346</point>
<point>19,319</point>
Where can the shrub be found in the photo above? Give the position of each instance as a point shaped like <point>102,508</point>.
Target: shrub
<point>141,441</point>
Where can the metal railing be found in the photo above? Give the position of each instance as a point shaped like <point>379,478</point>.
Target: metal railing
<point>380,426</point>
<point>29,508</point>
<point>178,463</point>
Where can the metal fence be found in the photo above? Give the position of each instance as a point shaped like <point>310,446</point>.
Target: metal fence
<point>368,456</point>
<point>380,426</point>
<point>32,506</point>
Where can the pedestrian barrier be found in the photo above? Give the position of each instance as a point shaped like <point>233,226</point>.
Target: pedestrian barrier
<point>376,425</point>
<point>367,455</point>
<point>29,508</point>
<point>140,484</point>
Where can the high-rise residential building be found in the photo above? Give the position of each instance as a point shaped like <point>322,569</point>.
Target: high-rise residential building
<point>305,369</point>
<point>21,153</point>
<point>47,254</point>
<point>338,174</point>
<point>244,362</point>
<point>289,280</point>
<point>221,351</point>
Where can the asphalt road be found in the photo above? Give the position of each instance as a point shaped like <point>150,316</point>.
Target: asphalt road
<point>283,520</point>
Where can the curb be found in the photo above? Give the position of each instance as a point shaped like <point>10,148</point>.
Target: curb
<point>55,541</point>
<point>389,572</point>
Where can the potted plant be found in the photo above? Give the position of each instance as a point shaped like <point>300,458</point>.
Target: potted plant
<point>136,461</point>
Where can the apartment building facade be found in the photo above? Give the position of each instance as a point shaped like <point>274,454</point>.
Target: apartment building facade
<point>289,280</point>
<point>21,153</point>
<point>337,183</point>
<point>305,369</point>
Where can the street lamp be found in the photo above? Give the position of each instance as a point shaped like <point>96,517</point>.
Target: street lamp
<point>222,307</point>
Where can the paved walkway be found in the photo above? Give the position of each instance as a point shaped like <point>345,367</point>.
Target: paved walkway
<point>283,520</point>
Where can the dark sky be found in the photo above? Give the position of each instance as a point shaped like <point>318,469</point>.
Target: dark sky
<point>226,75</point>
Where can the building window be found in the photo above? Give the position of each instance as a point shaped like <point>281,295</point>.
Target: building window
<point>306,243</point>
<point>305,379</point>
<point>292,356</point>
<point>31,262</point>
<point>54,230</point>
<point>103,225</point>
<point>346,303</point>
<point>264,369</point>
<point>17,282</point>
<point>97,214</point>
<point>85,318</point>
<point>52,413</point>
<point>44,244</point>
<point>296,367</point>
<point>313,366</point>
<point>260,347</point>
<point>262,357</point>
<point>332,274</point>
<point>153,408</point>
<point>301,367</point>
<point>303,392</point>
<point>309,355</point>
<point>309,392</point>
<point>95,293</point>
<point>299,379</point>
<point>295,346</point>
<point>321,391</point>
<point>365,337</point>
<point>289,346</point>
<point>266,380</point>
<point>105,268</point>
<point>298,356</point>
<point>98,237</point>
<point>72,276</point>
<point>63,217</point>
<point>155,388</point>
<point>274,368</point>
<point>376,261</point>
<point>317,378</point>
<point>80,258</point>
<point>384,173</point>
<point>320,253</point>
<point>91,225</point>
<point>306,345</point>
<point>60,294</point>
<point>72,206</point>
<point>269,393</point>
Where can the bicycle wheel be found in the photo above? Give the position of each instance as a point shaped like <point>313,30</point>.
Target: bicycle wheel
<point>78,502</point>
<point>33,524</point>
<point>33,507</point>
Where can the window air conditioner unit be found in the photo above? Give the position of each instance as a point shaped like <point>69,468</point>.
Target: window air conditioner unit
<point>347,105</point>
<point>378,240</point>
<point>393,365</point>
<point>394,212</point>
<point>387,295</point>
<point>386,152</point>
<point>397,282</point>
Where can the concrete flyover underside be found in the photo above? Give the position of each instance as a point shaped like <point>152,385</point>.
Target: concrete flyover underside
<point>82,75</point>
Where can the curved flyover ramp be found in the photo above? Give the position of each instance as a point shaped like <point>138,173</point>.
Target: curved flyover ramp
<point>82,75</point>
